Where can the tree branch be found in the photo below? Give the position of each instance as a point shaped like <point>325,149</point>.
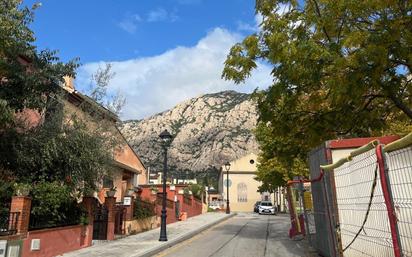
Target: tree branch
<point>320,16</point>
<point>400,104</point>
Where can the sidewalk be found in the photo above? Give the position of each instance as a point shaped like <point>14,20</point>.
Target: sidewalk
<point>147,244</point>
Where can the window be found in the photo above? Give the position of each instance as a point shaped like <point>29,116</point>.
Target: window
<point>266,204</point>
<point>252,161</point>
<point>107,182</point>
<point>241,193</point>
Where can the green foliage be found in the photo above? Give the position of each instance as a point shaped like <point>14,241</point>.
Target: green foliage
<point>341,69</point>
<point>61,156</point>
<point>143,209</point>
<point>28,75</point>
<point>49,198</point>
<point>6,192</point>
<point>52,205</point>
<point>186,192</point>
<point>22,189</point>
<point>100,82</point>
<point>67,152</point>
<point>197,190</point>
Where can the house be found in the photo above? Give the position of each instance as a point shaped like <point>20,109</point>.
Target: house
<point>243,188</point>
<point>127,170</point>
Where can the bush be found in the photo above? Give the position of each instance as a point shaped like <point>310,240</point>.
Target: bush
<point>53,205</point>
<point>210,209</point>
<point>143,209</point>
<point>197,190</point>
<point>6,192</point>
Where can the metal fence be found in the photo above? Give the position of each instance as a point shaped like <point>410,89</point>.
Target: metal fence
<point>363,219</point>
<point>362,206</point>
<point>399,164</point>
<point>8,224</point>
<point>320,218</point>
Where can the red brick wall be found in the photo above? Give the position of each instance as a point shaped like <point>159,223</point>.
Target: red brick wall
<point>193,209</point>
<point>55,241</point>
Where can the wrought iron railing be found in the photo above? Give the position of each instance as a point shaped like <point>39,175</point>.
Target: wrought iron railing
<point>8,224</point>
<point>37,223</point>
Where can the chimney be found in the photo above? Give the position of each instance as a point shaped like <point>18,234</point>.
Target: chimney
<point>68,83</point>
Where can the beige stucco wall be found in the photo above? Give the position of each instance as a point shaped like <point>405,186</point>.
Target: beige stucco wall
<point>243,163</point>
<point>125,155</point>
<point>252,194</point>
<point>136,226</point>
<point>338,154</point>
<point>242,171</point>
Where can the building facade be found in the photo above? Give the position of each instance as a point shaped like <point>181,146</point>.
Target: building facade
<point>243,188</point>
<point>127,170</point>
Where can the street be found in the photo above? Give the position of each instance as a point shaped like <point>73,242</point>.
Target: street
<point>246,234</point>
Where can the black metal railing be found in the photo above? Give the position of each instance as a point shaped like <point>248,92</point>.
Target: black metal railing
<point>37,223</point>
<point>143,209</point>
<point>8,224</point>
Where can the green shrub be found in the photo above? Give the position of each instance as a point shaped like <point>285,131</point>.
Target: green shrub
<point>197,190</point>
<point>143,209</point>
<point>53,205</point>
<point>6,192</point>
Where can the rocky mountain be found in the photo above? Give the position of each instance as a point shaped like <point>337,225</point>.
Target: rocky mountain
<point>208,131</point>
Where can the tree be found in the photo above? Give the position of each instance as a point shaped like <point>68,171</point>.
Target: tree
<point>340,68</point>
<point>100,81</point>
<point>27,76</point>
<point>59,149</point>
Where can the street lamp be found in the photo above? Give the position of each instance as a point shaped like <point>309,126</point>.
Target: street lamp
<point>227,168</point>
<point>166,140</point>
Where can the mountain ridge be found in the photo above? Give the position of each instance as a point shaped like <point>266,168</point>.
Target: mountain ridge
<point>208,131</point>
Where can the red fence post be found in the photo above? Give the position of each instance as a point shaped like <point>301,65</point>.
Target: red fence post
<point>110,203</point>
<point>130,209</point>
<point>88,203</point>
<point>21,204</point>
<point>388,200</point>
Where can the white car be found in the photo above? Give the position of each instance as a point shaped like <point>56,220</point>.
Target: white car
<point>266,207</point>
<point>214,205</point>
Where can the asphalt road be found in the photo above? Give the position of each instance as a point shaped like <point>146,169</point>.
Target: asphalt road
<point>249,235</point>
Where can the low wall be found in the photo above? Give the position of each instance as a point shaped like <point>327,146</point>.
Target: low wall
<point>189,204</point>
<point>55,241</point>
<point>192,207</point>
<point>137,226</point>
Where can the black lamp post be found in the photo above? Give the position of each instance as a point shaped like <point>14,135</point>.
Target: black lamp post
<point>227,168</point>
<point>166,140</point>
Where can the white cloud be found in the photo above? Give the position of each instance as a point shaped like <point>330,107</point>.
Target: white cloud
<point>129,23</point>
<point>161,14</point>
<point>155,84</point>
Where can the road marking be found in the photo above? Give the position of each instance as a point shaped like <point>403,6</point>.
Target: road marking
<point>267,236</point>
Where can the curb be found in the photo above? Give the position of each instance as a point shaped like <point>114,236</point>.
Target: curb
<point>182,238</point>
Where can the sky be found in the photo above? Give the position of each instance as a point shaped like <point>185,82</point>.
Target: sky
<point>162,51</point>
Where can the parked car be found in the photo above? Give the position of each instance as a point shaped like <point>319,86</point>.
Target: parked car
<point>256,207</point>
<point>215,205</point>
<point>266,207</point>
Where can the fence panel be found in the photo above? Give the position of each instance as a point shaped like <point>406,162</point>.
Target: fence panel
<point>322,235</point>
<point>399,164</point>
<point>8,224</point>
<point>363,219</point>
